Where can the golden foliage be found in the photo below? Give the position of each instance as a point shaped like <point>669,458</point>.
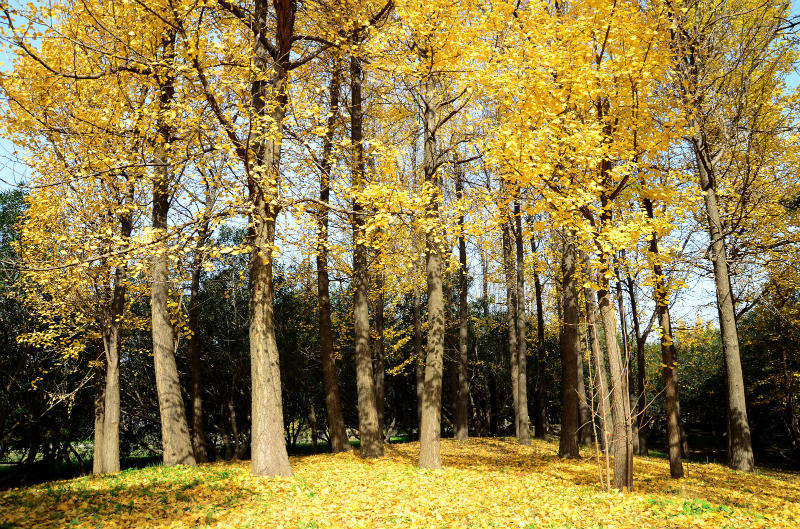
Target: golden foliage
<point>485,483</point>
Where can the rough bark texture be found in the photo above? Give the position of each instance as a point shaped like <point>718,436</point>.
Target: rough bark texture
<point>110,453</point>
<point>622,445</point>
<point>269,456</point>
<point>598,365</point>
<point>112,337</point>
<point>99,416</point>
<point>668,358</point>
<point>175,437</point>
<point>430,431</point>
<point>174,429</point>
<point>670,391</point>
<point>641,397</point>
<point>570,349</point>
<point>540,394</point>
<point>371,441</point>
<point>524,432</point>
<point>199,440</point>
<point>626,358</point>
<point>429,455</point>
<point>378,360</point>
<point>268,445</point>
<point>107,415</point>
<point>333,405</point>
<point>461,427</point>
<point>511,319</point>
<point>584,411</point>
<point>491,382</point>
<point>203,449</point>
<point>740,448</point>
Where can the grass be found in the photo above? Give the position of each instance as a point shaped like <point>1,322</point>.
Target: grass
<point>485,483</point>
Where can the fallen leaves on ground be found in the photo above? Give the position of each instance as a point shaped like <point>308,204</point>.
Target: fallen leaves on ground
<point>486,483</point>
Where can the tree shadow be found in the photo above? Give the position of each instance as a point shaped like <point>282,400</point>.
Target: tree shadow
<point>506,456</point>
<point>217,494</point>
<point>152,496</point>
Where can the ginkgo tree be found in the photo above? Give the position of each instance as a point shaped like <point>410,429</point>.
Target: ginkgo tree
<point>374,138</point>
<point>578,133</point>
<point>77,230</point>
<point>731,58</point>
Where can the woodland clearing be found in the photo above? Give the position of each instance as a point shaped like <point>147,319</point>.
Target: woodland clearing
<point>486,482</point>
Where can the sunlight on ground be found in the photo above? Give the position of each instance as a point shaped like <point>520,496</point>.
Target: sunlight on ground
<point>486,483</point>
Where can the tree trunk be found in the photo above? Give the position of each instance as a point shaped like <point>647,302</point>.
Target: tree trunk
<point>570,349</point>
<point>199,440</point>
<point>226,432</point>
<point>99,416</point>
<point>418,355</point>
<point>430,434</point>
<point>626,358</point>
<point>432,394</point>
<point>740,448</point>
<point>269,457</point>
<point>511,319</point>
<point>790,410</point>
<point>233,423</point>
<point>641,397</point>
<point>203,449</point>
<point>175,436</point>
<point>524,432</point>
<point>333,404</point>
<point>491,383</point>
<point>113,312</point>
<point>622,445</point>
<point>598,364</point>
<point>174,429</point>
<point>675,435</point>
<point>268,445</point>
<point>312,424</point>
<point>111,342</point>
<point>462,397</point>
<point>378,361</point>
<point>584,411</point>
<point>371,440</point>
<point>642,421</point>
<point>670,389</point>
<point>540,395</point>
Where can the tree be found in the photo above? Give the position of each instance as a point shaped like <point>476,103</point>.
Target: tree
<point>570,349</point>
<point>461,419</point>
<point>333,405</point>
<point>369,427</point>
<point>743,40</point>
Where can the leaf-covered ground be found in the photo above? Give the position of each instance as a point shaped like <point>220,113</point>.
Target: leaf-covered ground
<point>485,483</point>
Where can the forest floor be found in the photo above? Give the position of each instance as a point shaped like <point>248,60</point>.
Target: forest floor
<point>485,483</point>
